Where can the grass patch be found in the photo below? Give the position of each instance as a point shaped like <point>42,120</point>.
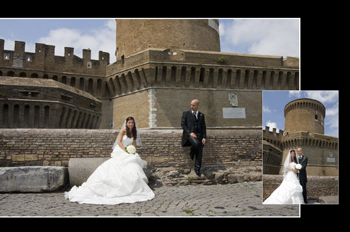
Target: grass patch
<point>188,211</point>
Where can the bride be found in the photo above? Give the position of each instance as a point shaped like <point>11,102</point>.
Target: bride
<point>290,190</point>
<point>118,180</point>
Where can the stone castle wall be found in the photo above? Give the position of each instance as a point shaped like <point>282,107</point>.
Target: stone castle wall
<point>160,107</point>
<point>172,69</point>
<point>44,60</point>
<point>82,73</point>
<point>160,148</point>
<point>34,103</point>
<point>200,69</point>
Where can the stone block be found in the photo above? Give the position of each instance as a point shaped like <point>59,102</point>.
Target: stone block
<point>32,178</point>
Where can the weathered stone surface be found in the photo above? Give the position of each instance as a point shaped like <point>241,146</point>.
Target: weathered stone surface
<point>32,178</point>
<point>169,176</point>
<point>81,168</point>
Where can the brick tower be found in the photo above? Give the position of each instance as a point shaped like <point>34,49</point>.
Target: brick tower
<point>134,35</point>
<point>304,114</point>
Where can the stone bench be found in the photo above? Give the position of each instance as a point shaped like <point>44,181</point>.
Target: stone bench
<point>81,168</point>
<point>33,178</point>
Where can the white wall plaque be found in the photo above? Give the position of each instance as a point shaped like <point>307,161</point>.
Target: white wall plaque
<point>233,112</point>
<point>232,97</point>
<point>17,61</point>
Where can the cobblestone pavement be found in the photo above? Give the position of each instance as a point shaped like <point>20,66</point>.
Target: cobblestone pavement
<point>241,199</point>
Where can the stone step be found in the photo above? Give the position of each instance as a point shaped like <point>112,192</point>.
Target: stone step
<point>33,178</point>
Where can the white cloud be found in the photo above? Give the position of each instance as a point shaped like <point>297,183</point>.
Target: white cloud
<point>323,96</point>
<point>9,44</point>
<point>272,125</point>
<point>294,94</point>
<point>332,120</point>
<point>222,29</point>
<point>100,39</point>
<point>266,109</point>
<point>265,36</point>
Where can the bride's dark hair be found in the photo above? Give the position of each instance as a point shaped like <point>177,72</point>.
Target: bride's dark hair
<point>293,159</point>
<point>133,130</point>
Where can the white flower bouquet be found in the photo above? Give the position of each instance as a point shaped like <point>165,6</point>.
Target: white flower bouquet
<point>130,149</point>
<point>298,167</point>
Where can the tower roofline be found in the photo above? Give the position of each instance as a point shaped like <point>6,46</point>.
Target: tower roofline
<point>299,99</point>
<point>289,107</point>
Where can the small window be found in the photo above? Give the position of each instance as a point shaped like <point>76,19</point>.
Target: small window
<point>122,59</point>
<point>24,93</point>
<point>201,75</point>
<point>6,56</point>
<point>89,64</point>
<point>35,94</point>
<point>66,98</point>
<point>316,117</point>
<point>29,59</point>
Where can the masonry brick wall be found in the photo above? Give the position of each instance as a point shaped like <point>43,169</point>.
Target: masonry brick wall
<point>161,148</point>
<point>317,186</point>
<point>52,147</point>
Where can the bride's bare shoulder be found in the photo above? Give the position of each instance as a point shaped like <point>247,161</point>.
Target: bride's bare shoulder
<point>122,132</point>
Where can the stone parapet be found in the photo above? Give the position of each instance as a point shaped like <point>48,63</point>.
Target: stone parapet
<point>160,148</point>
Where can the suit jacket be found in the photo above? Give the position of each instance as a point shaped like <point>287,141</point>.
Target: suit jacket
<point>302,171</point>
<point>188,123</point>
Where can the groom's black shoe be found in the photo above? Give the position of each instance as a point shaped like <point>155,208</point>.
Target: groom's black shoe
<point>197,172</point>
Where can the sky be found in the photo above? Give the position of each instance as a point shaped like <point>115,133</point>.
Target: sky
<point>275,101</point>
<point>279,37</point>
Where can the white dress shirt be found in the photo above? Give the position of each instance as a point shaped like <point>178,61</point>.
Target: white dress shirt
<point>195,113</point>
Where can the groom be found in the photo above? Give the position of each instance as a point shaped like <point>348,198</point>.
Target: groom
<point>194,133</point>
<point>302,172</point>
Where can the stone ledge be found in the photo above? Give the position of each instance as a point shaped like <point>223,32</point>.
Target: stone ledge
<point>33,178</point>
<point>80,169</point>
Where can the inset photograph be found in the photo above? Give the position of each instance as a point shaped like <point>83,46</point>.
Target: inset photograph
<point>300,147</point>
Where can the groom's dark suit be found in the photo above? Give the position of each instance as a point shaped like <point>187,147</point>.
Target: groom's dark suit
<point>302,174</point>
<point>189,124</point>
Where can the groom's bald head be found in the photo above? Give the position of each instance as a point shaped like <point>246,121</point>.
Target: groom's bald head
<point>194,105</point>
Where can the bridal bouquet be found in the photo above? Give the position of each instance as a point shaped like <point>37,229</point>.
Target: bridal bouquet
<point>298,167</point>
<point>130,149</point>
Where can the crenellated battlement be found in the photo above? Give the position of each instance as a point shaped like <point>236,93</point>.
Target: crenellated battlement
<point>273,137</point>
<point>44,60</point>
<point>272,134</point>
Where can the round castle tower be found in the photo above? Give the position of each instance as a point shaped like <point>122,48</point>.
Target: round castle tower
<point>304,114</point>
<point>134,35</point>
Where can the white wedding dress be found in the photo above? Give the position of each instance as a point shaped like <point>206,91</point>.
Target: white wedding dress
<point>118,180</point>
<point>289,192</point>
